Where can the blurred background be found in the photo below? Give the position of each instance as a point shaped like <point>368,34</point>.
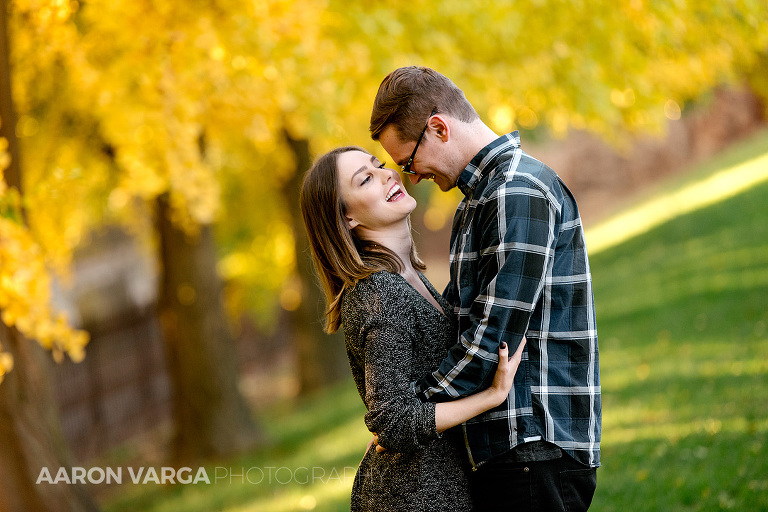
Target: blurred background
<point>157,298</point>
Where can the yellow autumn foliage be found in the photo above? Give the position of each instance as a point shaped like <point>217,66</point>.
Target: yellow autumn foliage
<point>121,101</point>
<point>25,287</point>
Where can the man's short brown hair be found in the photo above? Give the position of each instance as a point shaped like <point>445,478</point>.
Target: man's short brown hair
<point>407,95</point>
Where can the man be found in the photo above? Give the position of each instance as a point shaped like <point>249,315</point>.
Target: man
<point>518,267</point>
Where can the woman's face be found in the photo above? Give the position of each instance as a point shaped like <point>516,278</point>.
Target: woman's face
<point>374,196</point>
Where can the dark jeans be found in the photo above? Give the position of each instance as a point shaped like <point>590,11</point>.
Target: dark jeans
<point>560,484</point>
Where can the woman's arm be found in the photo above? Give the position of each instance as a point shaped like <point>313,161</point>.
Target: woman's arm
<point>385,343</point>
<point>402,421</point>
<point>450,414</point>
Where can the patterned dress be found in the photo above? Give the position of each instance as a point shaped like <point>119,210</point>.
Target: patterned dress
<point>394,336</point>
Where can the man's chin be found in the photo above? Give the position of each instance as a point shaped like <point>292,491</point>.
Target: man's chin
<point>444,186</point>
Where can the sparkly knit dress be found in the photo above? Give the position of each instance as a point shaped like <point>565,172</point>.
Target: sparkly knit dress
<point>394,336</point>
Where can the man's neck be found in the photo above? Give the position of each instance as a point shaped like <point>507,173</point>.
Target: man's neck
<point>477,135</point>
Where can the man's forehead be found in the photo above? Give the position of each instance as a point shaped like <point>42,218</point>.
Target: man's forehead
<point>392,143</point>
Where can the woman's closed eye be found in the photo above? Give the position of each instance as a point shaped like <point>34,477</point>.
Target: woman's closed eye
<point>369,176</point>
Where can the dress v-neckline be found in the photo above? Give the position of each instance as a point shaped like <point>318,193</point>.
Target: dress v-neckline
<point>441,309</point>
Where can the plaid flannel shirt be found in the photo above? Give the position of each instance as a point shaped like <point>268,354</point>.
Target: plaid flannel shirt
<point>519,267</point>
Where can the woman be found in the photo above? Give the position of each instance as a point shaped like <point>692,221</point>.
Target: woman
<point>397,329</point>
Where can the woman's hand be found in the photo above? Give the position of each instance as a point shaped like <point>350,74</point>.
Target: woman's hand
<point>450,414</point>
<point>505,373</point>
<point>372,442</point>
<point>375,442</point>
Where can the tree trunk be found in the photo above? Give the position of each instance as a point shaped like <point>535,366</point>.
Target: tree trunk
<point>30,435</point>
<point>321,358</point>
<point>7,111</point>
<point>210,414</point>
<point>30,432</point>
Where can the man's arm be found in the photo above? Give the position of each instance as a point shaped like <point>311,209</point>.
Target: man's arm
<point>516,226</point>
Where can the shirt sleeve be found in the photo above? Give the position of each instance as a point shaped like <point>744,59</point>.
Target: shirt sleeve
<point>513,229</point>
<point>403,422</point>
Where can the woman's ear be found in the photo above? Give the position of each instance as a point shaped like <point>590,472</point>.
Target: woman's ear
<point>352,223</point>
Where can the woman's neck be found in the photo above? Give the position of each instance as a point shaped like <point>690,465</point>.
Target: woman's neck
<point>399,242</point>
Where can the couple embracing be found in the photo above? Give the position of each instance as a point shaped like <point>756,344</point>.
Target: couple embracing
<point>460,424</point>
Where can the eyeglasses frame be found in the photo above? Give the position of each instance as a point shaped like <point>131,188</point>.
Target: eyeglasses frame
<point>406,169</point>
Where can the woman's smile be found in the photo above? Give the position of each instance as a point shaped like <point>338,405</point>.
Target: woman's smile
<point>365,184</point>
<point>395,193</point>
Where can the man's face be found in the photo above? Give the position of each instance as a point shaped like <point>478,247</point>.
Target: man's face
<point>431,161</point>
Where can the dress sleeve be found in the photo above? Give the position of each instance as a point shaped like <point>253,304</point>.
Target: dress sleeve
<point>402,421</point>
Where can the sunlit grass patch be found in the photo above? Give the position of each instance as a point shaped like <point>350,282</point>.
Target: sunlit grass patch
<point>726,182</point>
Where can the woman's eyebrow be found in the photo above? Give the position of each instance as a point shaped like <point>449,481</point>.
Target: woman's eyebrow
<point>373,160</point>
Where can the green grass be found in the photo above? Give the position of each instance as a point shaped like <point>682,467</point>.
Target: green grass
<point>683,323</point>
<point>315,446</point>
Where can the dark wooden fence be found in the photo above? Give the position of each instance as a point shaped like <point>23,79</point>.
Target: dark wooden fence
<point>119,391</point>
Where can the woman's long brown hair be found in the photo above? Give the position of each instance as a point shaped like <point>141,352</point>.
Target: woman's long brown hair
<point>340,257</point>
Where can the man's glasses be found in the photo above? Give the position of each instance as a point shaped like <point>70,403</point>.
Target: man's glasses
<point>406,169</point>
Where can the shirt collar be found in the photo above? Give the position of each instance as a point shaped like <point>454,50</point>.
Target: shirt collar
<point>482,162</point>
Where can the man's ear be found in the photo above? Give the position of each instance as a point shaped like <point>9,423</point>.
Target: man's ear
<point>440,126</point>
